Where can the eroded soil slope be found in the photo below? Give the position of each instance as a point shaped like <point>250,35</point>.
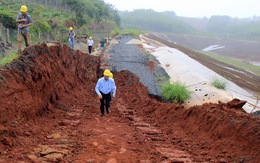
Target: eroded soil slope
<point>50,113</point>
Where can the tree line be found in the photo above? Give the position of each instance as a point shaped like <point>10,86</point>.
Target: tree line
<point>224,26</point>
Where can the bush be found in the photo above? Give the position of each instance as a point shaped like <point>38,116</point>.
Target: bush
<point>7,19</point>
<point>175,92</point>
<point>221,84</point>
<point>8,59</point>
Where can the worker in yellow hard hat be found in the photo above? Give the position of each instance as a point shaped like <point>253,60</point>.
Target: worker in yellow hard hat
<point>105,87</point>
<point>90,43</point>
<point>72,34</point>
<point>111,75</point>
<point>24,21</point>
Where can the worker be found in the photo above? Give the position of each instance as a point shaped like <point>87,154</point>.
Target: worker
<point>71,37</point>
<point>111,75</point>
<point>105,87</point>
<point>24,21</point>
<point>90,43</point>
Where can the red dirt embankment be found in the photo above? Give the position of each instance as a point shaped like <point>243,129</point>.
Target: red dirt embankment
<point>209,132</point>
<point>50,112</point>
<point>33,83</point>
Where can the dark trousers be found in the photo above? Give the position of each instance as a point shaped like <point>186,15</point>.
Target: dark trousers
<point>106,98</point>
<point>89,49</point>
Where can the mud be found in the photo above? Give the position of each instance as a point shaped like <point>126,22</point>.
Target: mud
<point>50,113</point>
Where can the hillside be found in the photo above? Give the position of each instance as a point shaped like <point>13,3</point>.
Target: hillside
<point>52,18</point>
<point>50,113</point>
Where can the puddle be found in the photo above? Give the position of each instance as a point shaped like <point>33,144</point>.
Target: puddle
<point>213,47</point>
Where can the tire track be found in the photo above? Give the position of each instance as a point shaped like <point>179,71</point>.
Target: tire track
<point>154,136</point>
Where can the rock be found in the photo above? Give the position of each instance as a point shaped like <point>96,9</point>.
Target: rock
<point>236,103</point>
<point>7,141</point>
<point>112,160</point>
<point>2,130</point>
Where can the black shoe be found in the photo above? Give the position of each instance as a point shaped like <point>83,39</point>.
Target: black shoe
<point>102,115</point>
<point>108,111</point>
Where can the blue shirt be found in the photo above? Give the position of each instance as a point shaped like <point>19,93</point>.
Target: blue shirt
<point>106,86</point>
<point>71,34</point>
<point>24,16</point>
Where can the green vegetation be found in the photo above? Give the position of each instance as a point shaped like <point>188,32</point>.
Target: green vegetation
<point>239,64</point>
<point>219,83</point>
<point>175,92</point>
<point>149,20</point>
<point>12,55</point>
<point>132,32</point>
<point>234,27</point>
<point>7,19</point>
<point>52,18</point>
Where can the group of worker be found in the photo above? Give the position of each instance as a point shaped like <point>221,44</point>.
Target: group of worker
<point>71,40</point>
<point>24,20</point>
<point>105,87</point>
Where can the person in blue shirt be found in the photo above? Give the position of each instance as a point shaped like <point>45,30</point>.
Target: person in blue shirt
<point>71,37</point>
<point>24,21</point>
<point>105,87</point>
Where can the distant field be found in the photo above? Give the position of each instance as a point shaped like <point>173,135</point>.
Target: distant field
<point>246,51</point>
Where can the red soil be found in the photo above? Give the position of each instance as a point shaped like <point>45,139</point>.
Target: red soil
<point>50,112</point>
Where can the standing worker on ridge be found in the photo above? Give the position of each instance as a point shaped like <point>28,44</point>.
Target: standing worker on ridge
<point>24,21</point>
<point>104,88</point>
<point>71,37</point>
<point>90,43</point>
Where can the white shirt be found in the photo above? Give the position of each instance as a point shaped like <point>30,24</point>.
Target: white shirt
<point>90,42</point>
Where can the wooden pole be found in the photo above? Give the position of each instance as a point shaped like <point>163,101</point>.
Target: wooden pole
<point>7,35</point>
<point>39,37</point>
<point>1,31</point>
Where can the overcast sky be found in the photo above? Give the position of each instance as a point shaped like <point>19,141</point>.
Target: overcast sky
<point>194,8</point>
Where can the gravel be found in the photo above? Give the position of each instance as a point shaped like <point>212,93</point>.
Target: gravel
<point>129,57</point>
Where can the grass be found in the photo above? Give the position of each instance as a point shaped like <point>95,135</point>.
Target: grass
<point>219,83</point>
<point>132,32</point>
<point>175,92</point>
<point>239,64</point>
<point>12,55</point>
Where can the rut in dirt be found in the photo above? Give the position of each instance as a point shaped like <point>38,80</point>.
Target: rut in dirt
<point>52,78</point>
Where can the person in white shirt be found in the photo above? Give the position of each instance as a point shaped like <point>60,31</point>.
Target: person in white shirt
<point>90,43</point>
<point>105,87</point>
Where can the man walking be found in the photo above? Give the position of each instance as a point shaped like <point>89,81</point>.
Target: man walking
<point>24,21</point>
<point>90,43</point>
<point>71,37</point>
<point>104,88</point>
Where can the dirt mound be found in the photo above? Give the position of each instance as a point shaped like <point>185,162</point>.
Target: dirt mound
<point>210,132</point>
<point>33,83</point>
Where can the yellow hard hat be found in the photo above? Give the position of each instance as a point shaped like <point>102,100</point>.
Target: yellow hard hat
<point>106,72</point>
<point>111,75</point>
<point>90,38</point>
<point>70,28</point>
<point>23,8</point>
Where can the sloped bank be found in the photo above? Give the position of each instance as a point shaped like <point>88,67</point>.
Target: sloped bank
<point>33,83</point>
<point>211,132</point>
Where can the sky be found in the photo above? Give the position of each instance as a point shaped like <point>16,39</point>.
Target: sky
<point>193,8</point>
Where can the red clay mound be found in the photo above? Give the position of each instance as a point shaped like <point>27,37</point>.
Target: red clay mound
<point>32,84</point>
<point>211,132</point>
